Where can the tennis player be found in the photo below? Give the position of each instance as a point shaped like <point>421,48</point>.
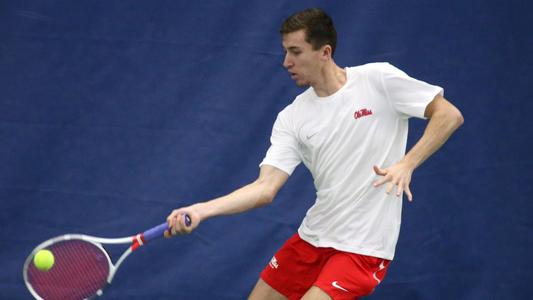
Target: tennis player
<point>349,128</point>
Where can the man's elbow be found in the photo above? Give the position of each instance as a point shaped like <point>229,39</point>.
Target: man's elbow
<point>269,183</point>
<point>267,197</point>
<point>457,118</point>
<point>451,116</point>
<point>444,111</point>
<point>266,193</point>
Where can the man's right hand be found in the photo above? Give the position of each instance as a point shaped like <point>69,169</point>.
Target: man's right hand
<point>177,224</point>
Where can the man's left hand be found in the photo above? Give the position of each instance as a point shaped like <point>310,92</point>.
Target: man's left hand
<point>398,175</point>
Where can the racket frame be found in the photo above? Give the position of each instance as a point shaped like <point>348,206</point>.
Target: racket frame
<point>135,241</point>
<point>96,241</point>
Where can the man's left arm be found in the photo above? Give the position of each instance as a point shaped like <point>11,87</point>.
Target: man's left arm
<point>444,119</point>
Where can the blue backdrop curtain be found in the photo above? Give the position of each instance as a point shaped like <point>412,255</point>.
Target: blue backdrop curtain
<point>112,113</point>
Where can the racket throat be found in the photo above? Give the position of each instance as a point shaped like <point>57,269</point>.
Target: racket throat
<point>137,241</point>
<point>114,268</point>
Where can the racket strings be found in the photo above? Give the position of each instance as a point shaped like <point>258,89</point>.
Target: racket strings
<point>79,272</point>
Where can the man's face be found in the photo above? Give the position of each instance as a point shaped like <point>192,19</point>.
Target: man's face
<point>302,62</point>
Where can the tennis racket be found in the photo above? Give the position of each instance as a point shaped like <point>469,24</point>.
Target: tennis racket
<point>82,267</point>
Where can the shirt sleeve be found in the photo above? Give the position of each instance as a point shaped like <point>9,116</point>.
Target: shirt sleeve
<point>407,95</point>
<point>283,152</point>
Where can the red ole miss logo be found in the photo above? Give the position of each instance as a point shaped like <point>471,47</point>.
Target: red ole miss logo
<point>362,113</point>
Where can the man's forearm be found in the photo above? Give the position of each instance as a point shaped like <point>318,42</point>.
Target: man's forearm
<point>440,127</point>
<point>246,198</point>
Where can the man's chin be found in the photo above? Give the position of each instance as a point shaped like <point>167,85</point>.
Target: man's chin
<point>301,83</point>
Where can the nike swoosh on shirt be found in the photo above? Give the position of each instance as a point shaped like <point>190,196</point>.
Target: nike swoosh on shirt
<point>336,285</point>
<point>311,135</point>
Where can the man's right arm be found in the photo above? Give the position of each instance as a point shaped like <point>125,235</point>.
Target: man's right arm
<point>256,194</point>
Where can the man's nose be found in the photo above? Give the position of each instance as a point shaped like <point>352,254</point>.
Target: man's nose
<point>286,61</point>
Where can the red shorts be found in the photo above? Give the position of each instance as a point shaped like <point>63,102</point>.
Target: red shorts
<point>299,265</point>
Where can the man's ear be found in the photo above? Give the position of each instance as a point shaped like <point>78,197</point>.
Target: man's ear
<point>326,52</point>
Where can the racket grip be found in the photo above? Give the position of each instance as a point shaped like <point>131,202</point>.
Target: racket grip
<point>159,230</point>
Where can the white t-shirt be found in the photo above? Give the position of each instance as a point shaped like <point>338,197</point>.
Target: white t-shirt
<point>339,138</point>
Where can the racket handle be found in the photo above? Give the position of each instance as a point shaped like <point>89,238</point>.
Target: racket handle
<point>159,230</point>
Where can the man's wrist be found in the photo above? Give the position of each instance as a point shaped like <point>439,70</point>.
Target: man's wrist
<point>410,162</point>
<point>202,209</point>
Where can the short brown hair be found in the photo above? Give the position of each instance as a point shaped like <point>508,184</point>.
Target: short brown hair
<point>318,26</point>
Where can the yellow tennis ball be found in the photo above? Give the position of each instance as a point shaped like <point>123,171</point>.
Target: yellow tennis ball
<point>43,260</point>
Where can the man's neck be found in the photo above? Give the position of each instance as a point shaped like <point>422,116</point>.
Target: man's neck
<point>331,78</point>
